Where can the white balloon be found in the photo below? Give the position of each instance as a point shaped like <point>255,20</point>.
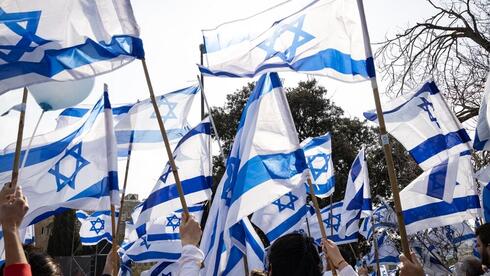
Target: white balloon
<point>61,94</point>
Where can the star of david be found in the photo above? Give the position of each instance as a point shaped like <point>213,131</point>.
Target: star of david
<point>300,38</point>
<point>168,274</point>
<point>290,205</point>
<point>96,222</point>
<point>335,222</point>
<point>449,232</point>
<point>315,170</point>
<point>145,242</point>
<point>164,176</point>
<point>425,106</point>
<point>231,174</point>
<point>168,112</point>
<point>63,180</point>
<point>173,221</point>
<point>28,35</point>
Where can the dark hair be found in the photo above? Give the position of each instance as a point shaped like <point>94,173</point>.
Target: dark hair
<point>41,263</point>
<point>471,266</point>
<point>483,232</point>
<point>294,254</point>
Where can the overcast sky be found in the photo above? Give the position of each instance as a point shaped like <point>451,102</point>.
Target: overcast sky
<point>171,33</point>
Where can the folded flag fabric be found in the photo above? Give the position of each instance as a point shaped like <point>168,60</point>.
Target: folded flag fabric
<point>482,132</point>
<point>95,227</point>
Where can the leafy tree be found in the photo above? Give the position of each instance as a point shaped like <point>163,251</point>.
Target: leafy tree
<point>60,240</point>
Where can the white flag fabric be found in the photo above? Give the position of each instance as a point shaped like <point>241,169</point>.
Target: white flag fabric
<point>285,214</point>
<point>383,216</point>
<point>331,221</point>
<point>421,211</point>
<point>422,122</point>
<point>318,153</point>
<point>439,182</point>
<point>483,177</point>
<point>292,36</point>
<point>357,198</point>
<point>430,260</point>
<point>482,132</point>
<point>37,46</point>
<point>192,160</point>
<point>74,167</point>
<point>162,269</point>
<point>387,251</point>
<point>257,171</point>
<point>95,227</point>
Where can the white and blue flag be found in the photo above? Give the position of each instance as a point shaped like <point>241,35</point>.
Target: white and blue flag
<point>73,167</point>
<point>421,211</point>
<point>159,240</point>
<point>37,46</point>
<point>162,269</point>
<point>387,250</point>
<point>439,181</point>
<point>331,220</point>
<point>430,260</point>
<point>258,172</point>
<point>95,227</point>
<point>292,36</point>
<point>483,177</point>
<point>191,157</point>
<point>422,122</point>
<point>383,216</point>
<point>286,214</point>
<point>318,153</point>
<point>482,132</point>
<point>357,198</point>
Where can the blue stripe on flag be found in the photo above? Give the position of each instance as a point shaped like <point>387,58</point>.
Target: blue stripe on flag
<point>437,181</point>
<point>262,168</point>
<point>46,215</point>
<point>99,189</point>
<point>203,128</point>
<point>437,144</point>
<point>317,141</point>
<point>441,208</point>
<point>159,268</point>
<point>283,228</point>
<point>96,239</point>
<point>154,255</point>
<point>163,237</point>
<point>56,61</point>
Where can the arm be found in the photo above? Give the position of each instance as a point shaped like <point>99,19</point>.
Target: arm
<point>411,268</point>
<point>332,251</point>
<point>191,259</point>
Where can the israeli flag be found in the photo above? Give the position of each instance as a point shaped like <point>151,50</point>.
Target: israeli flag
<point>95,227</point>
<point>383,216</point>
<point>318,153</point>
<point>430,260</point>
<point>422,122</point>
<point>125,268</point>
<point>331,221</point>
<point>285,214</point>
<point>357,198</point>
<point>136,123</point>
<point>421,211</point>
<point>387,251</point>
<point>258,172</point>
<point>37,46</point>
<point>159,240</point>
<point>483,177</point>
<point>192,159</point>
<point>292,36</point>
<point>482,132</point>
<point>73,167</point>
<point>162,269</point>
<point>73,114</point>
<point>439,182</point>
<point>453,235</point>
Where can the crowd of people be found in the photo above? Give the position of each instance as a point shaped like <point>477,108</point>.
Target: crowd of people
<point>292,254</point>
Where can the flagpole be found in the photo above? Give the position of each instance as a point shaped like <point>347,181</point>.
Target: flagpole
<point>385,140</point>
<point>165,139</point>
<point>24,159</point>
<point>375,240</point>
<point>320,221</point>
<point>114,245</point>
<point>306,217</point>
<point>201,82</point>
<point>18,146</point>
<point>331,215</point>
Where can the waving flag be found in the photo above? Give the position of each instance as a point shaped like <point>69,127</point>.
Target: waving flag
<point>430,260</point>
<point>258,172</point>
<point>318,153</point>
<point>387,251</point>
<point>192,158</point>
<point>357,198</point>
<point>421,211</point>
<point>95,227</point>
<point>422,122</point>
<point>383,216</point>
<point>159,240</point>
<point>483,177</point>
<point>292,36</point>
<point>285,214</point>
<point>331,221</point>
<point>162,269</point>
<point>37,46</point>
<point>74,167</point>
<point>482,133</point>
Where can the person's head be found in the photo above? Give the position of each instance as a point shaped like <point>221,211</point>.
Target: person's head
<point>41,263</point>
<point>483,243</point>
<point>469,266</point>
<point>294,254</point>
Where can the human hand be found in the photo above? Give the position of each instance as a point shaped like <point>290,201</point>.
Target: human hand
<point>190,230</point>
<point>363,271</point>
<point>333,253</point>
<point>13,210</point>
<point>410,268</point>
<point>7,193</point>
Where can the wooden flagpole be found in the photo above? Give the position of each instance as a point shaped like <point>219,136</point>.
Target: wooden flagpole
<point>385,141</point>
<point>320,221</point>
<point>201,81</point>
<point>331,215</point>
<point>165,140</point>
<point>18,146</point>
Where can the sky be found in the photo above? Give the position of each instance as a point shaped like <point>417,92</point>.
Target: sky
<point>171,33</point>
